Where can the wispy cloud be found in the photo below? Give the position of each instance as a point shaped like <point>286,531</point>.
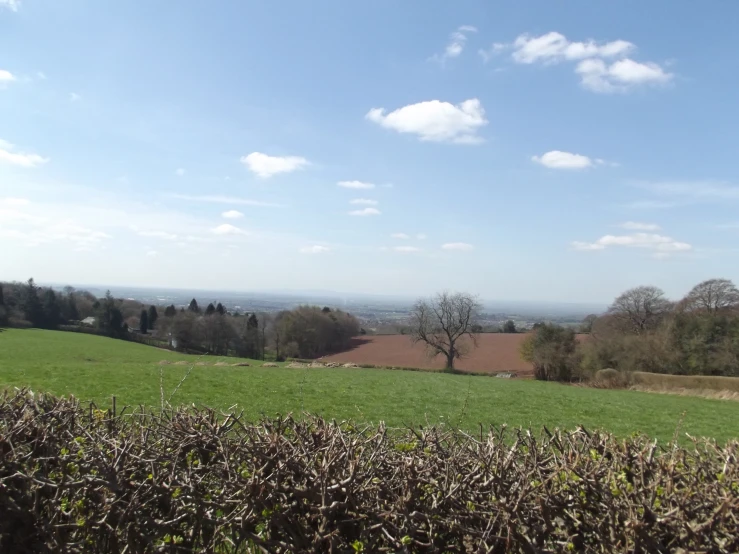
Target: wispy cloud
<point>358,185</point>
<point>636,226</point>
<point>179,172</point>
<point>366,212</point>
<point>9,155</point>
<point>495,49</point>
<point>695,190</point>
<point>74,97</point>
<point>401,236</point>
<point>157,235</point>
<point>456,44</point>
<point>435,121</point>
<point>661,244</point>
<point>218,199</point>
<point>463,246</point>
<point>232,214</point>
<point>266,166</point>
<point>227,229</point>
<point>315,249</point>
<point>364,202</point>
<point>11,5</point>
<point>406,249</point>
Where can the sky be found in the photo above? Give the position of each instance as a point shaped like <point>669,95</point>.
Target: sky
<point>544,151</point>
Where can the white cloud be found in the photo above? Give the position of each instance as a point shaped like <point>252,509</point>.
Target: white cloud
<point>217,199</point>
<point>227,229</point>
<point>266,166</point>
<point>315,249</point>
<point>636,226</point>
<point>366,212</point>
<point>554,47</point>
<point>356,185</point>
<point>435,120</point>
<point>620,76</point>
<point>9,155</point>
<point>421,236</point>
<point>651,241</point>
<point>179,172</point>
<point>596,72</point>
<point>6,77</point>
<point>556,159</point>
<point>41,75</point>
<point>457,246</point>
<point>74,97</point>
<point>456,44</point>
<point>152,253</point>
<point>406,249</point>
<point>364,202</point>
<point>232,214</point>
<point>157,235</point>
<point>12,5</point>
<point>401,236</point>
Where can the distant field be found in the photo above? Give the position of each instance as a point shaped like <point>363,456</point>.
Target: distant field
<point>496,352</point>
<point>94,368</point>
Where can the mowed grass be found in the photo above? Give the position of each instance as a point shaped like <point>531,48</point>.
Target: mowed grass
<point>95,368</point>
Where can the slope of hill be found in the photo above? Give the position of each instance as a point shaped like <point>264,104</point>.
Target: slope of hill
<point>94,368</point>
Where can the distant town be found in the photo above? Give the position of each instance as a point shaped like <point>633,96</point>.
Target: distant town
<point>377,314</point>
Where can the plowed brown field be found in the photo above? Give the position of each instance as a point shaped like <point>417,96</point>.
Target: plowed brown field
<point>497,352</point>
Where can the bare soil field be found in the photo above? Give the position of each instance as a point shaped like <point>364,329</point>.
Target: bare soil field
<point>496,353</point>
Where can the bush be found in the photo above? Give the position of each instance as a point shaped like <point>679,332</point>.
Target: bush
<point>78,480</point>
<point>553,352</point>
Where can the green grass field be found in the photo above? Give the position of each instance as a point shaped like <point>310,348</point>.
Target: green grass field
<point>95,368</point>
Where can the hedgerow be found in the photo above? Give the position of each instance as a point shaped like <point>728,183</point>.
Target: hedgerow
<point>77,479</point>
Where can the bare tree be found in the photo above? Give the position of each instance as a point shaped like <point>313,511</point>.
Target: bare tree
<point>445,325</point>
<point>713,295</point>
<point>640,308</point>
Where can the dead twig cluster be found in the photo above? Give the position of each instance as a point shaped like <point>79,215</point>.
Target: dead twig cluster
<point>194,480</point>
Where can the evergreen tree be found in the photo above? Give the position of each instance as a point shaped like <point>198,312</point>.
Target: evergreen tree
<point>144,322</point>
<point>52,311</point>
<point>69,308</point>
<point>210,310</point>
<point>252,322</point>
<point>170,311</point>
<point>110,318</point>
<point>220,309</point>
<point>2,299</point>
<point>33,311</point>
<point>510,327</point>
<point>153,316</point>
<point>193,307</point>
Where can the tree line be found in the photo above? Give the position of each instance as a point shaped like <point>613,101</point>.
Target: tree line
<point>643,330</point>
<point>305,332</point>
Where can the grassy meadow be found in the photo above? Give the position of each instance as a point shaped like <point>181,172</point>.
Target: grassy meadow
<point>95,368</point>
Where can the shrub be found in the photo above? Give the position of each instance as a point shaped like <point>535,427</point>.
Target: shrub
<point>77,480</point>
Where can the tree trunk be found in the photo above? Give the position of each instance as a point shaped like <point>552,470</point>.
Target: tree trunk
<point>449,361</point>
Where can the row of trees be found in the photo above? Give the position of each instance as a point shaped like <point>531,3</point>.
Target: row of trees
<point>644,331</point>
<point>641,331</point>
<point>305,332</point>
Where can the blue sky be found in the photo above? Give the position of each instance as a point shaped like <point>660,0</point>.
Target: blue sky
<point>528,151</point>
